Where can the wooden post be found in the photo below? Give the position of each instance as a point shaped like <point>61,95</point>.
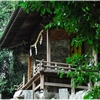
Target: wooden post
<point>34,85</point>
<point>95,56</point>
<point>72,87</point>
<point>23,79</point>
<point>33,69</point>
<point>48,47</point>
<point>29,67</point>
<point>42,82</point>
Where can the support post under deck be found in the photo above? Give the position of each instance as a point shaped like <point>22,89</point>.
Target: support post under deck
<point>48,47</point>
<point>29,67</point>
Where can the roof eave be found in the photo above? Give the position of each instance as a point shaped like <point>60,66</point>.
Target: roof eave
<point>9,25</point>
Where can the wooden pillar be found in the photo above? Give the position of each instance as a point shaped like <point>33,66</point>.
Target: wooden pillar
<point>34,85</point>
<point>48,47</point>
<point>72,88</point>
<point>29,67</point>
<point>42,82</point>
<point>23,79</point>
<point>95,56</point>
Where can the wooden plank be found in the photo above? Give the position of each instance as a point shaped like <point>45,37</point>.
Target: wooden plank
<point>37,87</point>
<point>57,84</point>
<point>82,87</point>
<point>29,83</point>
<point>37,78</point>
<point>63,85</point>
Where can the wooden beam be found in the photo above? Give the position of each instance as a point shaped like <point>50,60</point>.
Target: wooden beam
<point>29,67</point>
<point>63,85</point>
<point>48,47</point>
<point>37,78</point>
<point>57,84</point>
<point>29,83</point>
<point>82,87</point>
<point>37,87</point>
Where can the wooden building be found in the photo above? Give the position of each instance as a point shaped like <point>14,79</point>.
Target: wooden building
<point>26,30</point>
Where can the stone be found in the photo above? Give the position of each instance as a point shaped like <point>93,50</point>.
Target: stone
<point>63,93</point>
<point>28,94</point>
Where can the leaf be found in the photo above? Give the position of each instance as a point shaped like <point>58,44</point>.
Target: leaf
<point>77,43</point>
<point>62,74</point>
<point>68,60</point>
<point>47,26</point>
<point>90,41</point>
<point>37,9</point>
<point>70,74</point>
<point>73,63</point>
<point>87,8</point>
<point>83,9</point>
<point>27,11</point>
<point>73,42</point>
<point>87,96</point>
<point>56,11</point>
<point>48,10</point>
<point>43,11</point>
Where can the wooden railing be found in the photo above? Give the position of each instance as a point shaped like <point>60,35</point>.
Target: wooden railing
<point>18,87</point>
<point>51,67</point>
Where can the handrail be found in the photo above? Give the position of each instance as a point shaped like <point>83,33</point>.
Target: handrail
<point>52,66</point>
<point>17,87</point>
<point>53,62</point>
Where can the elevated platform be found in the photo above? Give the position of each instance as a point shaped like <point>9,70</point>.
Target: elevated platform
<point>45,78</point>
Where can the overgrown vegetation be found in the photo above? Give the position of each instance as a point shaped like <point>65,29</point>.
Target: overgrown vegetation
<point>81,18</point>
<point>6,9</point>
<point>11,69</point>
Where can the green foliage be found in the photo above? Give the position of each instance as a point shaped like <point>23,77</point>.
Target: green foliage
<point>6,61</point>
<point>11,71</point>
<point>94,93</point>
<point>6,9</point>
